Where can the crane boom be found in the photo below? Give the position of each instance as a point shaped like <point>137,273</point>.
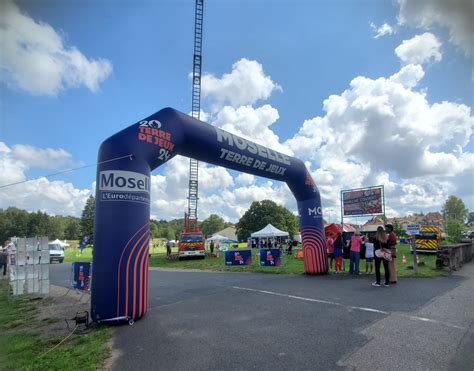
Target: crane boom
<point>196,108</point>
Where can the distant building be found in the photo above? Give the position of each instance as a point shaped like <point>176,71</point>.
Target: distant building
<point>432,218</point>
<point>371,225</point>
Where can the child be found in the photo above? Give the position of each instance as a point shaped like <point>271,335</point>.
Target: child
<point>369,257</point>
<point>338,245</point>
<point>330,249</point>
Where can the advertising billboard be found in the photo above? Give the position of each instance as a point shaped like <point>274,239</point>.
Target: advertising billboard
<point>270,257</point>
<point>362,201</point>
<point>240,257</point>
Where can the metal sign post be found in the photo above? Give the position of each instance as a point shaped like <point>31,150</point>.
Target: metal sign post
<point>413,230</point>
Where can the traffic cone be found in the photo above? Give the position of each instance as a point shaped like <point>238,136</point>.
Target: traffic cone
<point>404,259</point>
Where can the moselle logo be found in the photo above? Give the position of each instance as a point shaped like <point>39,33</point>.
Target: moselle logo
<point>154,124</point>
<point>123,181</point>
<point>120,185</point>
<point>316,211</point>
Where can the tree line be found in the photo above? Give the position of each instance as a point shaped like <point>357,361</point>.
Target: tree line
<point>17,222</point>
<point>21,223</point>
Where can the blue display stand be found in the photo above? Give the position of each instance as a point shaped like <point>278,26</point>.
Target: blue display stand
<point>270,257</point>
<point>81,272</point>
<point>238,257</point>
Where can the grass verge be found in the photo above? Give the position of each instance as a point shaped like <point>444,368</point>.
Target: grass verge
<point>291,265</point>
<point>24,336</point>
<point>73,254</point>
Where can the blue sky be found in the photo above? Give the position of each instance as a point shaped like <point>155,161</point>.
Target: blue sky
<point>74,73</point>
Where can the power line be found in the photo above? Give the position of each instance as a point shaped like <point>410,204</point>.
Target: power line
<point>67,171</point>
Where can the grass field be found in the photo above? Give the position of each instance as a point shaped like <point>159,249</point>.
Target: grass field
<point>24,337</point>
<point>289,265</point>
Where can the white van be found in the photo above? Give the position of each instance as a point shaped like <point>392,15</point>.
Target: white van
<point>56,252</point>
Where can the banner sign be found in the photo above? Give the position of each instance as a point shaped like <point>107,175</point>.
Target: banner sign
<point>80,275</point>
<point>270,257</point>
<point>413,229</point>
<point>240,257</point>
<point>366,201</point>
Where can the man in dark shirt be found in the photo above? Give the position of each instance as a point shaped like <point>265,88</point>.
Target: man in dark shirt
<point>3,261</point>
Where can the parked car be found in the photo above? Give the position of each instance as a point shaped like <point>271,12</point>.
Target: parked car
<point>56,252</point>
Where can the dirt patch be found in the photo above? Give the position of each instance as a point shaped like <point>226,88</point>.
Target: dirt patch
<point>114,355</point>
<point>59,305</point>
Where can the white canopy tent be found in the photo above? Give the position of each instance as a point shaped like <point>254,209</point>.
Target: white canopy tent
<point>269,231</point>
<point>217,237</point>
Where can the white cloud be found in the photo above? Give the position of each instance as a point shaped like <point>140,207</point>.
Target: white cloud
<point>383,30</point>
<point>245,179</point>
<point>246,84</point>
<point>251,123</point>
<point>169,191</point>
<point>47,158</point>
<point>420,49</point>
<point>382,131</point>
<point>35,59</point>
<point>455,15</point>
<point>53,197</point>
<point>409,76</point>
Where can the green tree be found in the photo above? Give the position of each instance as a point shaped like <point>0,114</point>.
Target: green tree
<point>87,218</point>
<point>166,229</point>
<point>262,213</point>
<point>155,230</point>
<point>73,228</point>
<point>212,224</point>
<point>454,230</point>
<point>454,208</point>
<point>38,224</point>
<point>13,222</point>
<point>398,229</point>
<point>470,218</point>
<point>56,228</point>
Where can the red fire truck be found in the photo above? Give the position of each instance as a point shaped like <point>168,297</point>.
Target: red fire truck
<point>191,240</point>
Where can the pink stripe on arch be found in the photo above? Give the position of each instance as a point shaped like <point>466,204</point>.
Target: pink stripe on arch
<point>313,241</point>
<point>120,265</point>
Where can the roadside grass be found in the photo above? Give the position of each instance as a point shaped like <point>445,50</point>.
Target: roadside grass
<point>73,254</point>
<point>427,266</point>
<point>24,337</point>
<point>291,265</point>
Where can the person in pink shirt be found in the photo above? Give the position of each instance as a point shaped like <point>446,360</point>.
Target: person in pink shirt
<point>330,249</point>
<point>356,242</point>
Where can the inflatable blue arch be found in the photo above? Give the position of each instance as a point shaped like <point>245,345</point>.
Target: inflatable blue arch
<point>121,229</point>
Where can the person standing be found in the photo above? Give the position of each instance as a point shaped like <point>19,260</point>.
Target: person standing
<point>356,242</point>
<point>381,242</point>
<point>168,247</point>
<point>369,257</point>
<point>392,245</point>
<point>330,249</point>
<point>338,245</point>
<point>211,246</point>
<point>3,261</point>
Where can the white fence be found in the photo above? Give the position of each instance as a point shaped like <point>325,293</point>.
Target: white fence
<point>29,265</point>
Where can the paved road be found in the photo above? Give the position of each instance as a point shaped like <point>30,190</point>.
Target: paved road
<point>247,321</point>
